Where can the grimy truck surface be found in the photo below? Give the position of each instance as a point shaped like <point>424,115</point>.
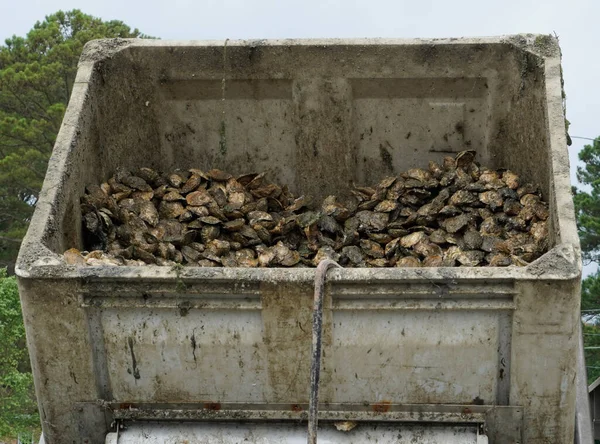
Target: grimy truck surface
<point>489,348</point>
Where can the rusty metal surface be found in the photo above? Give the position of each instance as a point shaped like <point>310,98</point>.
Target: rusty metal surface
<point>387,412</point>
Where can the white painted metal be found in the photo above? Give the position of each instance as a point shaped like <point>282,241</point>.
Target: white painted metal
<point>220,433</point>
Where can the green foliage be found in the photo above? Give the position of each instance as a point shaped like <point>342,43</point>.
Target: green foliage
<point>587,205</point>
<point>587,210</point>
<point>591,338</point>
<point>36,77</point>
<point>18,409</point>
<point>590,296</point>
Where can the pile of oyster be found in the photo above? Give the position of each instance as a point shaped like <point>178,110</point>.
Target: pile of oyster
<point>454,214</point>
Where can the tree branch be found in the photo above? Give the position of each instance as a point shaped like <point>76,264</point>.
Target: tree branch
<point>43,116</point>
<point>10,239</point>
<point>20,112</point>
<point>8,217</point>
<point>48,141</point>
<point>44,92</point>
<point>36,173</point>
<point>10,136</point>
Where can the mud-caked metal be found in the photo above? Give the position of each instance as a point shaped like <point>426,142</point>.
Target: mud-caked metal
<point>488,346</point>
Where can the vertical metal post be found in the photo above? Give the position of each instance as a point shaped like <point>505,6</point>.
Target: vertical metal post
<point>583,422</point>
<point>317,331</point>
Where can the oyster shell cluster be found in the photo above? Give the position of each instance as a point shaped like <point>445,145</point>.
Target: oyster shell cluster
<point>453,214</point>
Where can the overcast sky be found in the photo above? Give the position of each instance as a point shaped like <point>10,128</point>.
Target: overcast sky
<point>576,22</point>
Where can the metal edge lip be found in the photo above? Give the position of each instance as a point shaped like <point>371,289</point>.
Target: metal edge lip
<point>151,273</point>
<point>363,412</point>
<point>524,39</point>
<point>547,267</point>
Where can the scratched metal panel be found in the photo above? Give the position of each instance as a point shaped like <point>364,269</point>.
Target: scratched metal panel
<point>415,357</point>
<point>204,347</point>
<point>158,354</point>
<point>392,345</point>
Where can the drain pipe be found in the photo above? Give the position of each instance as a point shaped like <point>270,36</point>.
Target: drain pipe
<point>317,333</point>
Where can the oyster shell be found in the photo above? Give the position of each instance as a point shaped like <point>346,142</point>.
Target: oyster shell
<point>452,213</point>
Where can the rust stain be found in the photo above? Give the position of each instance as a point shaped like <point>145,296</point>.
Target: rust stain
<point>126,406</point>
<point>296,408</point>
<point>382,407</point>
<point>467,411</point>
<point>216,406</point>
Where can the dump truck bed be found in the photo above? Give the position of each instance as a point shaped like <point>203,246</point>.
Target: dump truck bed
<point>494,347</point>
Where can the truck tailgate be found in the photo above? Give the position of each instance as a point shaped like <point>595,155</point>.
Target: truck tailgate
<point>293,433</point>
